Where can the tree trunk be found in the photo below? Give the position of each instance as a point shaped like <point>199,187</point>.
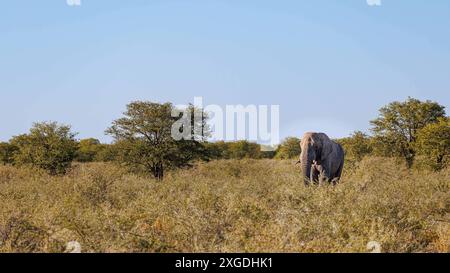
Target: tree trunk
<point>158,171</point>
<point>410,158</point>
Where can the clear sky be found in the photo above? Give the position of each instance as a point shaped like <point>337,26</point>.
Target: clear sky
<point>329,64</point>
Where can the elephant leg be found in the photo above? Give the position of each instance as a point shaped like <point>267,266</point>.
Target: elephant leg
<point>338,174</point>
<point>325,174</point>
<point>335,181</point>
<point>322,180</point>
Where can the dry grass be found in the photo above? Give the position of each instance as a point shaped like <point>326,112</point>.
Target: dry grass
<point>225,206</point>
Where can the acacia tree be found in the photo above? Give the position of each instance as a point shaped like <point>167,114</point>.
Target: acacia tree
<point>397,127</point>
<point>143,137</point>
<point>433,143</point>
<point>48,145</point>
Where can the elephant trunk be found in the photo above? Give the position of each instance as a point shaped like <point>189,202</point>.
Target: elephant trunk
<point>307,158</point>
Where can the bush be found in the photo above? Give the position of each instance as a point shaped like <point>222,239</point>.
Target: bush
<point>433,143</point>
<point>88,150</point>
<point>289,148</point>
<point>235,150</point>
<point>48,146</point>
<point>244,149</point>
<point>357,146</point>
<point>7,153</point>
<point>107,153</point>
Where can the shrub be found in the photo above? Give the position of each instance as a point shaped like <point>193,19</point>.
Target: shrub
<point>433,143</point>
<point>7,153</point>
<point>88,150</point>
<point>235,150</point>
<point>357,146</point>
<point>47,146</point>
<point>289,148</point>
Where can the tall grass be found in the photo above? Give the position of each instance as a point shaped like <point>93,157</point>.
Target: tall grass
<point>225,206</point>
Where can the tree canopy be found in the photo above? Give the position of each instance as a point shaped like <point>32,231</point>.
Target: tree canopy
<point>48,145</point>
<point>433,143</point>
<point>396,129</point>
<point>144,138</point>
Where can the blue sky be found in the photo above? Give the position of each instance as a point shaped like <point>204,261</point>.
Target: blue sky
<point>330,65</point>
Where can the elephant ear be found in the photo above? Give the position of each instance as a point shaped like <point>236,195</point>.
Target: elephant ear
<point>318,151</point>
<point>326,148</point>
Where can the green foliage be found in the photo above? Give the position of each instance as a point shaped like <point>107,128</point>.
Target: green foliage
<point>48,146</point>
<point>7,153</point>
<point>144,138</point>
<point>217,150</point>
<point>289,148</point>
<point>267,152</point>
<point>357,146</point>
<point>433,143</point>
<point>397,127</point>
<point>234,150</point>
<point>88,150</point>
<point>244,149</point>
<point>91,150</point>
<point>107,153</point>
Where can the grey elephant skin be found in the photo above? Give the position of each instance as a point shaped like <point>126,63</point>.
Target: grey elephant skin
<point>322,160</point>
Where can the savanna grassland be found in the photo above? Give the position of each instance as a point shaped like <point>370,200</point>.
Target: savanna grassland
<point>225,206</point>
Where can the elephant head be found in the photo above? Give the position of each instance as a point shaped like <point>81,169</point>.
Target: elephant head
<point>316,147</point>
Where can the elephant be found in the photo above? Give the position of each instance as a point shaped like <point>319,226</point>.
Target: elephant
<point>322,160</point>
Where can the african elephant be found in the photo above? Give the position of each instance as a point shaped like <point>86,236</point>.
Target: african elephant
<point>322,159</point>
